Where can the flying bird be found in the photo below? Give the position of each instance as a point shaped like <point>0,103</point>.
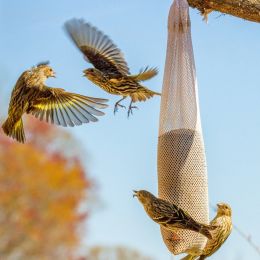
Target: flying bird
<point>110,72</point>
<point>54,105</point>
<point>223,221</point>
<point>169,215</point>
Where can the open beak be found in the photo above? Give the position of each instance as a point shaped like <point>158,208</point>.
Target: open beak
<point>134,195</point>
<point>53,75</point>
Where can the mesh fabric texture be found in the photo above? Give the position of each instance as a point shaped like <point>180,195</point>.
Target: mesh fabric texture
<point>182,173</point>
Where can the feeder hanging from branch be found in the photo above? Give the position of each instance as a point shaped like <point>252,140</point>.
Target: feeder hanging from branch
<point>182,173</point>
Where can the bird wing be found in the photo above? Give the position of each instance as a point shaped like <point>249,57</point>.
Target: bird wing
<point>145,74</point>
<point>169,214</point>
<point>97,47</point>
<point>59,107</point>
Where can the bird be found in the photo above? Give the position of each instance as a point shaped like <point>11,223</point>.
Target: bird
<point>54,105</point>
<point>169,215</point>
<point>110,72</point>
<point>223,221</point>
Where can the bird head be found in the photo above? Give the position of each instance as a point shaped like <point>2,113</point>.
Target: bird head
<point>46,71</point>
<point>92,73</point>
<point>224,209</point>
<point>143,196</point>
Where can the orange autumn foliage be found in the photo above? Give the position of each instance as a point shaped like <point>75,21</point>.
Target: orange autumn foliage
<point>42,186</point>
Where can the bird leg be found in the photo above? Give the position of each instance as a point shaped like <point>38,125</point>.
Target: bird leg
<point>130,109</point>
<point>117,104</point>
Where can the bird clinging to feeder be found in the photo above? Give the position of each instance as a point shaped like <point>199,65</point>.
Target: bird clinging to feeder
<point>223,221</point>
<point>169,215</point>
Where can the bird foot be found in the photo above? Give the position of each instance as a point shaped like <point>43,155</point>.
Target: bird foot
<point>116,107</point>
<point>130,110</point>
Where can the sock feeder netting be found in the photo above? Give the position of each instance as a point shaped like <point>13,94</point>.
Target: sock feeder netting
<point>182,173</point>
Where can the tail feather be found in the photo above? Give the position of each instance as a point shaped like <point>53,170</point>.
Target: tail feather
<point>14,129</point>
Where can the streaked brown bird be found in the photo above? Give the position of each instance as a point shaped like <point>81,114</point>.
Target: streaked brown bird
<point>110,71</point>
<point>169,215</point>
<point>223,221</point>
<point>30,95</point>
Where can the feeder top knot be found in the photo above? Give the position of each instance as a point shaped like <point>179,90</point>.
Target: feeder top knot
<point>179,16</point>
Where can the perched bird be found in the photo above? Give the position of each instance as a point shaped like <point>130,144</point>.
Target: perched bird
<point>30,95</point>
<point>169,215</point>
<point>223,222</point>
<point>110,71</point>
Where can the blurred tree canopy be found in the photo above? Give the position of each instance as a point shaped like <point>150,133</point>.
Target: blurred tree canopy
<point>42,189</point>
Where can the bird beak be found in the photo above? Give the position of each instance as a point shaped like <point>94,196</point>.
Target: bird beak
<point>219,205</point>
<point>85,72</point>
<point>134,195</point>
<point>53,75</point>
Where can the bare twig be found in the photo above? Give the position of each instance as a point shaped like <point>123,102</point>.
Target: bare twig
<point>220,16</point>
<point>248,238</point>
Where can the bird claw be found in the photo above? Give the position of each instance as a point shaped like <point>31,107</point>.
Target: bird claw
<point>130,110</point>
<point>116,107</point>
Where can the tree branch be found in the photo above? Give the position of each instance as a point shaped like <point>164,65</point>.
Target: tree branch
<point>245,9</point>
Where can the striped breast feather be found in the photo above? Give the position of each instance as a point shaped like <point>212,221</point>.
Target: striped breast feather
<point>97,47</point>
<point>66,109</point>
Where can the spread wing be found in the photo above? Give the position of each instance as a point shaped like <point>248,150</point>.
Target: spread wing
<point>97,47</point>
<point>59,107</point>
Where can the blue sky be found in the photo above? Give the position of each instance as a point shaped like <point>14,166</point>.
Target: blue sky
<point>120,152</point>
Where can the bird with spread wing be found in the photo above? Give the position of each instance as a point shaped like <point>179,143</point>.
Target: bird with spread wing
<point>110,71</point>
<point>54,105</point>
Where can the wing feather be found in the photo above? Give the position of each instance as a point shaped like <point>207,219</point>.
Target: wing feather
<point>66,109</point>
<point>97,47</point>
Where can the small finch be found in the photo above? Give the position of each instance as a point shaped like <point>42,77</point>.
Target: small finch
<point>30,95</point>
<point>223,222</point>
<point>110,71</point>
<point>169,215</point>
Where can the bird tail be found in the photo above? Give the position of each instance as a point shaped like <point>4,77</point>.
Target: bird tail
<point>142,94</point>
<point>205,230</point>
<point>14,129</point>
